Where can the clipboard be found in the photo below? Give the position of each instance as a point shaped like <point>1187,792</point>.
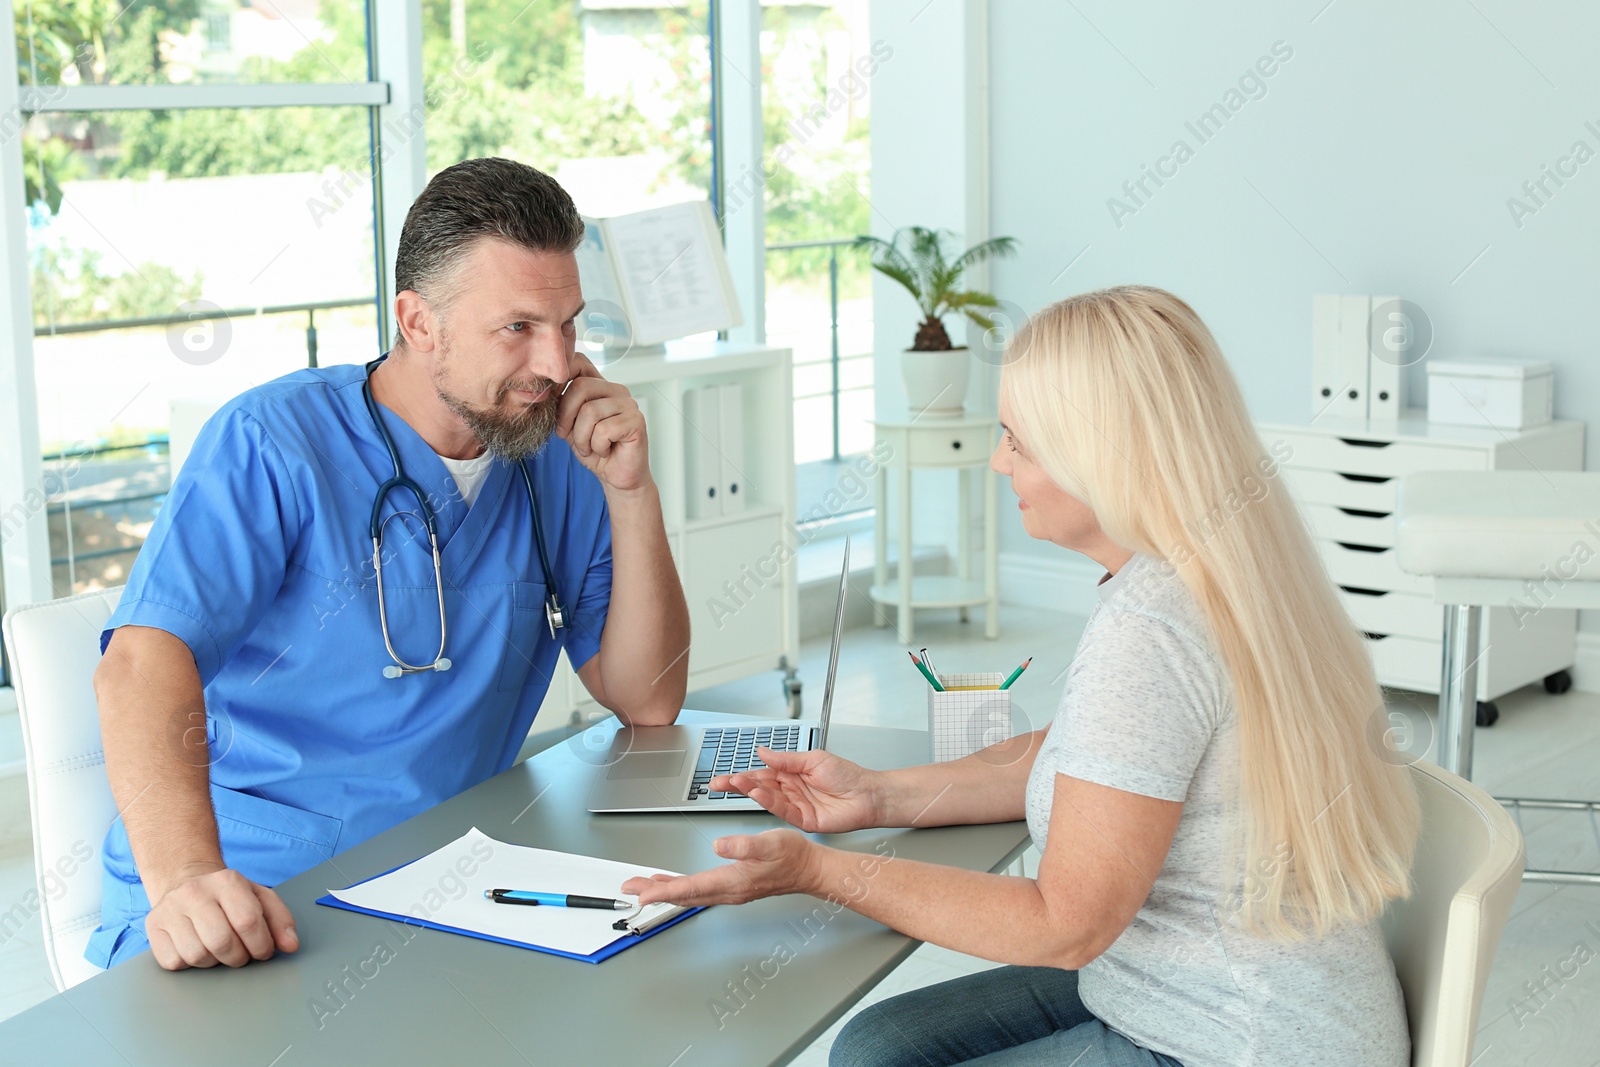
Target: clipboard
<point>474,849</point>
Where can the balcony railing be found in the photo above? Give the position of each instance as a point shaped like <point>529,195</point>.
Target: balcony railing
<point>104,325</point>
<point>156,446</point>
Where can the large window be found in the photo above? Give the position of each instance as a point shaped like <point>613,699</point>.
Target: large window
<point>176,42</point>
<point>158,288</point>
<point>612,98</point>
<point>816,69</point>
<point>181,256</point>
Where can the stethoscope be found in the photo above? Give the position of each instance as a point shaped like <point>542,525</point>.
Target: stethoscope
<point>554,614</point>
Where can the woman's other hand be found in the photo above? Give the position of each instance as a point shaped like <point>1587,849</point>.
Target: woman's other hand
<point>816,791</point>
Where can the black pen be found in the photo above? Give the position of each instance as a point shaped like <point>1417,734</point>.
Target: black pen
<point>556,900</point>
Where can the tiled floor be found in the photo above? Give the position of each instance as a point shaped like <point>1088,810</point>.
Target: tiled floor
<point>1542,746</point>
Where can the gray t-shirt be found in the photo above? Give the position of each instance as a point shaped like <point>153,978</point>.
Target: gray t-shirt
<point>1147,709</point>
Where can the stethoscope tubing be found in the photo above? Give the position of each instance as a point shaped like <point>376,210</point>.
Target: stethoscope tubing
<point>555,615</point>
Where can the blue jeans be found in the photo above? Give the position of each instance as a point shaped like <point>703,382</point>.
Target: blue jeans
<point>1006,1017</point>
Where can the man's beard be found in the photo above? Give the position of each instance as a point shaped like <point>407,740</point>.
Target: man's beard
<point>512,437</point>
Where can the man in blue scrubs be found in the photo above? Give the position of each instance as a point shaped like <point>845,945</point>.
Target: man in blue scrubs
<point>251,727</point>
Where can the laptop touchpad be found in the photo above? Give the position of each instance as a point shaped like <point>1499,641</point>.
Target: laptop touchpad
<point>648,765</point>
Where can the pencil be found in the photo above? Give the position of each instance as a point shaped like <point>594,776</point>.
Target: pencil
<point>1016,673</point>
<point>937,688</point>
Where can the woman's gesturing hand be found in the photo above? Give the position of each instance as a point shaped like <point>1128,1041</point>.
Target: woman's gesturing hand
<point>816,791</point>
<point>764,865</point>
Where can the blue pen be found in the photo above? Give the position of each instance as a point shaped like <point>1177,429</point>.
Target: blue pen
<point>556,900</point>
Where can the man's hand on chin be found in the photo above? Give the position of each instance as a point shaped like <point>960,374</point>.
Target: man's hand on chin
<point>603,424</point>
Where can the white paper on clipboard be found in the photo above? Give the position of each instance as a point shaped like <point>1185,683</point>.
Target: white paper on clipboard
<point>437,889</point>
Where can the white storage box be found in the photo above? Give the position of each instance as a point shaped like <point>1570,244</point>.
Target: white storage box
<point>1505,394</point>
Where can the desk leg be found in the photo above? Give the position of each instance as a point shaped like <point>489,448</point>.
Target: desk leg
<point>991,554</point>
<point>880,540</point>
<point>1458,688</point>
<point>963,529</point>
<point>904,620</point>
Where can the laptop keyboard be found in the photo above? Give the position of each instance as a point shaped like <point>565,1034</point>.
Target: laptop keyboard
<point>731,749</point>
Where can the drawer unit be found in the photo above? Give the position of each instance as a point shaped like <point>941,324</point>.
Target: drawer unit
<point>1370,567</point>
<point>1512,655</point>
<point>1368,492</point>
<point>1353,525</point>
<point>956,446</point>
<point>1313,450</point>
<point>1382,612</point>
<point>1345,476</point>
<point>1412,663</point>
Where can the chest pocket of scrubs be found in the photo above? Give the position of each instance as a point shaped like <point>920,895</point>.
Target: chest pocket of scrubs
<point>522,637</point>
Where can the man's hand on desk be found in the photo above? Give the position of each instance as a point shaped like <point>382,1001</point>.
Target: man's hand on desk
<point>765,865</point>
<point>218,916</point>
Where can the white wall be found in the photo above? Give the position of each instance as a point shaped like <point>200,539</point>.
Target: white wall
<point>1380,159</point>
<point>929,168</point>
<point>929,152</point>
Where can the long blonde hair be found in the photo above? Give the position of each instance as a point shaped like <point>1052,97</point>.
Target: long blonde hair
<point>1125,400</point>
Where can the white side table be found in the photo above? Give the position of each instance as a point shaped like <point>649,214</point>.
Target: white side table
<point>961,442</point>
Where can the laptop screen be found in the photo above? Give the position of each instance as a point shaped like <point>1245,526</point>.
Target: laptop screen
<point>833,652</point>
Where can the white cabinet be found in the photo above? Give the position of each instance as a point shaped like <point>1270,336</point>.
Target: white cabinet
<point>738,570</point>
<point>1344,474</point>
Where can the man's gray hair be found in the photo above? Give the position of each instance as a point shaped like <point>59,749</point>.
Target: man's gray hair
<point>478,198</point>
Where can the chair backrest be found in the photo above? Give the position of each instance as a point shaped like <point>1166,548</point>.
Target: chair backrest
<point>54,647</point>
<point>1467,871</point>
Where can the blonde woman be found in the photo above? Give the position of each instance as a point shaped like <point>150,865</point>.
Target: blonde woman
<point>1218,835</point>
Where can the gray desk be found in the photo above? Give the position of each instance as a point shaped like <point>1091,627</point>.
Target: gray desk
<point>433,997</point>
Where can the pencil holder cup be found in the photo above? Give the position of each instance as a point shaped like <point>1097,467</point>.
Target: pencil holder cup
<point>963,720</point>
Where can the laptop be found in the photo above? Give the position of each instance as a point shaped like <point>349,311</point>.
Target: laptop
<point>669,768</point>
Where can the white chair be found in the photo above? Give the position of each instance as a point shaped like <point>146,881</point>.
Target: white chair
<point>1442,938</point>
<point>1526,538</point>
<point>54,647</point>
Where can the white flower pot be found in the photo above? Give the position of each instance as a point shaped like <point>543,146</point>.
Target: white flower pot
<point>936,382</point>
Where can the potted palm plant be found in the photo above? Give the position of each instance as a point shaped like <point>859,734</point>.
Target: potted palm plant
<point>934,370</point>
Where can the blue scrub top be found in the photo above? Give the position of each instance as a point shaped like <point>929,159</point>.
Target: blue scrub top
<point>261,562</point>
